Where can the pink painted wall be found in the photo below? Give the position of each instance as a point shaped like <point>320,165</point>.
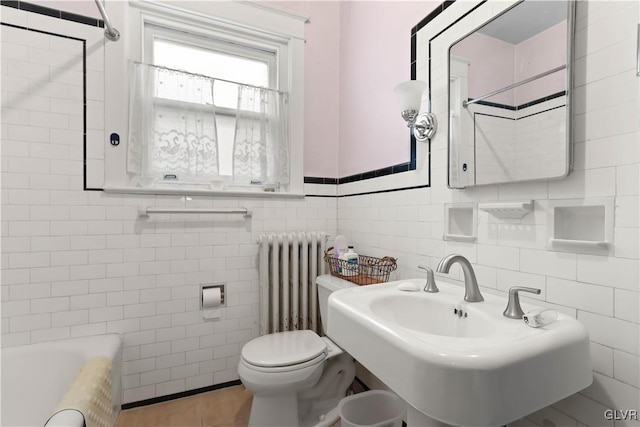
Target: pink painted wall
<point>536,55</point>
<point>491,66</point>
<point>496,64</point>
<point>322,84</point>
<point>356,52</point>
<point>375,53</point>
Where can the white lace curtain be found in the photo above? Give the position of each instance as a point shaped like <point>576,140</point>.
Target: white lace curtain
<point>261,150</point>
<point>173,130</point>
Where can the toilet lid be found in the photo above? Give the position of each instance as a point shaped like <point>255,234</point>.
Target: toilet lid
<point>283,348</point>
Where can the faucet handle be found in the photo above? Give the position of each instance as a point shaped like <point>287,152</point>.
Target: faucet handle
<point>513,310</point>
<point>431,281</point>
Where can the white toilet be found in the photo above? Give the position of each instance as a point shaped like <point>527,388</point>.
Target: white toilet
<point>297,377</point>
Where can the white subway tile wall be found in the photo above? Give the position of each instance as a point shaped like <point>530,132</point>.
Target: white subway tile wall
<point>602,292</point>
<point>517,145</point>
<point>78,263</point>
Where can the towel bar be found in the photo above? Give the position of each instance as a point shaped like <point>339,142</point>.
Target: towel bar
<point>170,210</point>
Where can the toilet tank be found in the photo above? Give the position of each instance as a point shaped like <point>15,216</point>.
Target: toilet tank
<point>326,285</point>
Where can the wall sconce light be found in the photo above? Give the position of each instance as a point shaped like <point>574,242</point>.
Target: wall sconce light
<point>410,97</point>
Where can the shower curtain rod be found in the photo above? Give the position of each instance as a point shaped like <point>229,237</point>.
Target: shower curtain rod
<point>110,32</point>
<point>465,103</point>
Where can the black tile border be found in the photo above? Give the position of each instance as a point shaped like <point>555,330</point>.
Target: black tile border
<point>10,3</point>
<point>84,117</point>
<point>543,99</point>
<point>367,193</point>
<point>54,13</point>
<point>84,89</point>
<point>81,19</point>
<point>180,395</point>
<point>20,27</point>
<point>521,106</point>
<point>543,111</point>
<point>414,47</point>
<point>389,190</point>
<point>41,10</point>
<point>515,118</point>
<point>389,170</point>
<point>495,105</point>
<point>316,180</point>
<point>430,17</point>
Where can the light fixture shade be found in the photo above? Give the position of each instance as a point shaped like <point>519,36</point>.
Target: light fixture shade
<point>410,94</point>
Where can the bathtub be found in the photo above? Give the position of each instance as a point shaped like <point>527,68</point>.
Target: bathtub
<point>35,377</point>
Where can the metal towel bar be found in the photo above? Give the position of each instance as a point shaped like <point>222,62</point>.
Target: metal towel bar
<point>465,103</point>
<point>171,210</point>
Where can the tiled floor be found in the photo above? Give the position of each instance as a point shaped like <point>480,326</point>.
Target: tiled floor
<point>228,407</point>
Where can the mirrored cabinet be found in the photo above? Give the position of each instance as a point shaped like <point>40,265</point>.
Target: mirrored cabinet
<point>509,96</point>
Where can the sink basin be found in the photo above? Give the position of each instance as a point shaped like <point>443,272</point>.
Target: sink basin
<point>457,362</point>
<point>431,317</point>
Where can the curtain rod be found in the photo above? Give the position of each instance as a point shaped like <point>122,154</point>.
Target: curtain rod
<point>465,103</point>
<point>173,70</point>
<point>110,32</point>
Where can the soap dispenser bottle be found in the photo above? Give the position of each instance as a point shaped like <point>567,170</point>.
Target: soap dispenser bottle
<point>351,259</point>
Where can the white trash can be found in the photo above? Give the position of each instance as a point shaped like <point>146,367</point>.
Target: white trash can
<point>374,408</point>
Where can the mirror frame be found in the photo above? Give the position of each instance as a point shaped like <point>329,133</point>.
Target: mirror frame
<point>570,48</point>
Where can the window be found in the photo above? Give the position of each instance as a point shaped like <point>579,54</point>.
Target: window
<point>205,110</point>
<point>212,42</point>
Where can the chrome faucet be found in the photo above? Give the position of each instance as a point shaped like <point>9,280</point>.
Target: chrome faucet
<point>471,290</point>
<point>430,286</point>
<point>513,310</point>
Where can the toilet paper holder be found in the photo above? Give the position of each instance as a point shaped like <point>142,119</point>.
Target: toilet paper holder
<point>221,286</point>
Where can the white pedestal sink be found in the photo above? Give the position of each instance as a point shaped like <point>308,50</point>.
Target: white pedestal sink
<point>456,362</point>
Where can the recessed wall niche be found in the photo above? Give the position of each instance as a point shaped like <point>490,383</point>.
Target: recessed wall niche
<point>581,226</point>
<point>461,222</point>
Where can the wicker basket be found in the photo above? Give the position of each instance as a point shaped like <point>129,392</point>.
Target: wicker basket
<point>368,271</point>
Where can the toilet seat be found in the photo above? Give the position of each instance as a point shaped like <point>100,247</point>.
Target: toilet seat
<point>285,351</point>
<point>288,368</point>
<point>291,360</point>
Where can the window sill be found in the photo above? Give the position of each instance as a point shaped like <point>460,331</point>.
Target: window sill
<point>196,192</point>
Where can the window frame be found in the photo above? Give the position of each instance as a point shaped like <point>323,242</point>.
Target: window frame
<point>215,42</point>
<point>219,44</point>
<point>251,23</point>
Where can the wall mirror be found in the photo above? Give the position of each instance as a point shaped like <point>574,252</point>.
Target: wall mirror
<point>510,97</point>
